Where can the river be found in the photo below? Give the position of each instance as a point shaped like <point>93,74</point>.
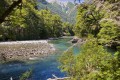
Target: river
<point>42,69</point>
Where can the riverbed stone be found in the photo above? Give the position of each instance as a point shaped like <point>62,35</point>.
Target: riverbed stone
<point>24,50</point>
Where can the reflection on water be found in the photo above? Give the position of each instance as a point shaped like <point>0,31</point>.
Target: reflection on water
<point>42,69</point>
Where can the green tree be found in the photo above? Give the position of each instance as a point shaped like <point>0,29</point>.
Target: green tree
<point>101,19</point>
<point>93,63</point>
<point>67,61</point>
<point>68,29</point>
<point>53,23</point>
<point>109,33</point>
<point>26,22</point>
<point>87,20</point>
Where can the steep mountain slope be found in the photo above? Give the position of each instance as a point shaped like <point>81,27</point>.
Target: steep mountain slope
<point>67,11</point>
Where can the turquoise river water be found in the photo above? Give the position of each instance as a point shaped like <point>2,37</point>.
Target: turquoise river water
<point>41,69</point>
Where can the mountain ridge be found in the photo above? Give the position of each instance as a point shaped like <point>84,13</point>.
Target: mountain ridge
<point>66,11</point>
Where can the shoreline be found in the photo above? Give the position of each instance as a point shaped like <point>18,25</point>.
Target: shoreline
<point>25,50</point>
<point>23,42</point>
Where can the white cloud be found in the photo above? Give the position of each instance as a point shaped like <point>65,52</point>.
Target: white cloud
<point>51,0</point>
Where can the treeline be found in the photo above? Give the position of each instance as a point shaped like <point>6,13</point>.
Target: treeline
<point>26,22</point>
<point>97,22</point>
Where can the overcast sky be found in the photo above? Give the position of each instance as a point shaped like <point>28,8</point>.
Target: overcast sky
<point>63,0</point>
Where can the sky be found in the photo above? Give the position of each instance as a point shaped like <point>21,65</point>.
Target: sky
<point>63,0</point>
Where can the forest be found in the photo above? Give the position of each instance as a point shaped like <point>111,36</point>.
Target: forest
<point>97,22</point>
<point>21,20</point>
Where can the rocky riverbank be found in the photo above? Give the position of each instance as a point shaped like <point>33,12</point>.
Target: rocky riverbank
<point>25,50</point>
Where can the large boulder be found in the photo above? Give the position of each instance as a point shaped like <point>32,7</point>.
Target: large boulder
<point>75,40</point>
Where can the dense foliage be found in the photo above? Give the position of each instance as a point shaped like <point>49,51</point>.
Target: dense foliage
<point>26,22</point>
<point>101,19</point>
<point>21,20</point>
<point>67,29</point>
<point>93,63</point>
